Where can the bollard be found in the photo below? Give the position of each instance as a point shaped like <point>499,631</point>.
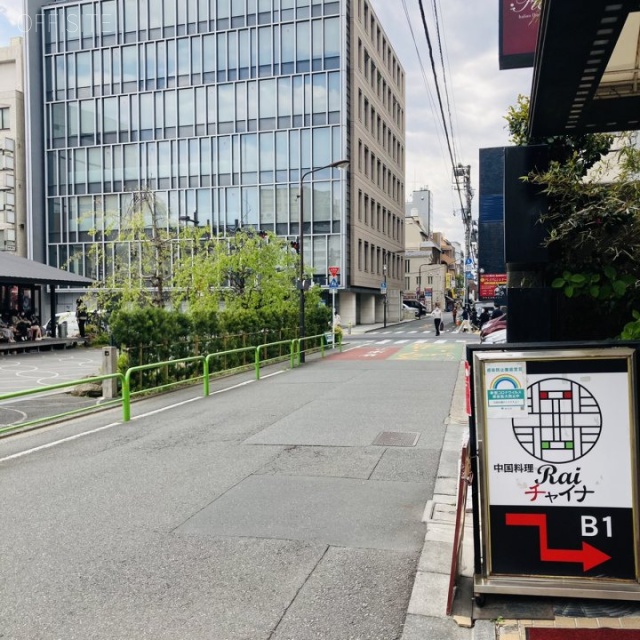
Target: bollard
<point>349,328</point>
<point>109,365</point>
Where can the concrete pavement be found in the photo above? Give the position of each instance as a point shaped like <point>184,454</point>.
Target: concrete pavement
<point>214,478</point>
<point>270,510</point>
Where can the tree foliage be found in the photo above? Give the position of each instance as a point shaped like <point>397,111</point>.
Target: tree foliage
<point>240,283</point>
<point>593,218</point>
<point>132,255</point>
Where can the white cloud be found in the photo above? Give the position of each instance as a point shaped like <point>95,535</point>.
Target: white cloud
<point>480,93</point>
<point>12,11</point>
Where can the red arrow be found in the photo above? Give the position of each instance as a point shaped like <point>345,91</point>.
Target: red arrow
<point>588,556</point>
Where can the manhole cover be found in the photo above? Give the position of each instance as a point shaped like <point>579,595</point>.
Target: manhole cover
<point>397,439</point>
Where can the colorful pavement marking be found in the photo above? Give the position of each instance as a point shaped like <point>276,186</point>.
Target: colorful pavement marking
<point>368,352</point>
<point>448,352</point>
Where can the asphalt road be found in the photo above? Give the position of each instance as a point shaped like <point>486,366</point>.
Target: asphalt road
<point>20,372</point>
<point>288,508</point>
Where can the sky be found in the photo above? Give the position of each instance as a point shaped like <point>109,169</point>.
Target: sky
<point>479,93</point>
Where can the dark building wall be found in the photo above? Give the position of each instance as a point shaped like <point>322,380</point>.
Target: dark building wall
<point>491,257</point>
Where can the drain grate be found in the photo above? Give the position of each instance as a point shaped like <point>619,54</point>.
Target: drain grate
<point>397,439</point>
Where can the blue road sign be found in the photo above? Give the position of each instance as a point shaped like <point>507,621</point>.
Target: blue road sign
<point>333,283</point>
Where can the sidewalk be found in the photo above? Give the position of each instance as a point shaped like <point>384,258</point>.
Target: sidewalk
<point>426,615</point>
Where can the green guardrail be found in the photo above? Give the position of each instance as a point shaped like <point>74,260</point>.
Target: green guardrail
<point>321,338</point>
<point>295,347</point>
<point>292,352</point>
<point>57,387</point>
<point>126,387</point>
<point>223,354</point>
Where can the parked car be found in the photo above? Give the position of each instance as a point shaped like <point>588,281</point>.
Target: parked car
<point>497,337</point>
<point>491,326</point>
<point>406,309</point>
<point>417,305</point>
<point>67,325</point>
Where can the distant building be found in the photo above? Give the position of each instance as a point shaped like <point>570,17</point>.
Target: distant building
<point>420,206</point>
<point>429,264</point>
<point>221,108</point>
<point>13,228</point>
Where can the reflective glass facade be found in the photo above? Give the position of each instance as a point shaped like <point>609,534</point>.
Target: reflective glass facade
<point>218,106</point>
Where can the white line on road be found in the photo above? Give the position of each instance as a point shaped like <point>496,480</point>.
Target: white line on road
<point>115,424</point>
<point>57,442</point>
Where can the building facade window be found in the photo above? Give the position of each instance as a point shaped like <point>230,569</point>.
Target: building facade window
<point>217,107</point>
<point>5,118</point>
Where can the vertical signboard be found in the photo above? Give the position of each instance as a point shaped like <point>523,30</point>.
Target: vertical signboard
<point>493,285</point>
<point>519,24</point>
<point>557,434</point>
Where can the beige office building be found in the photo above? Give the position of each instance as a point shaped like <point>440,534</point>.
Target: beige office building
<point>377,151</point>
<point>13,232</point>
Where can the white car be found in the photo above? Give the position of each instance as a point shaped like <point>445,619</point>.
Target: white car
<point>67,325</point>
<point>409,311</point>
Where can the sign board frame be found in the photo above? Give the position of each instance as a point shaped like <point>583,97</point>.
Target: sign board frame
<point>555,442</point>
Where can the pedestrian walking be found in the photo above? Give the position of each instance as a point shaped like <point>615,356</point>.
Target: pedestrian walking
<point>454,313</point>
<point>436,314</point>
<point>465,327</point>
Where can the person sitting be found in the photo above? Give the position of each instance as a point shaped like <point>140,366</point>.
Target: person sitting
<point>35,330</point>
<point>6,330</point>
<point>21,327</point>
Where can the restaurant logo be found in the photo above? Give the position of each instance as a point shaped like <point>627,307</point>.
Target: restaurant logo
<point>563,422</point>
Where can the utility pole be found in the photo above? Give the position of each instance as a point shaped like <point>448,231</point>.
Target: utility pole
<point>462,184</point>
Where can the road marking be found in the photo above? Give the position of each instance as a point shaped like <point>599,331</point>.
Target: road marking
<point>57,442</point>
<point>115,424</point>
<point>400,341</point>
<point>383,341</point>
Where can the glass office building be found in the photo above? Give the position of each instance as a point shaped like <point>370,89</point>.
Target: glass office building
<point>217,106</point>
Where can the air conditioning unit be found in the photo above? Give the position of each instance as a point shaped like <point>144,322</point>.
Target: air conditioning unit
<point>7,163</point>
<point>8,145</point>
<point>7,181</point>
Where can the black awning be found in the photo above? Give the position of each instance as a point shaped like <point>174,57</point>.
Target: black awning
<point>15,270</point>
<point>575,42</point>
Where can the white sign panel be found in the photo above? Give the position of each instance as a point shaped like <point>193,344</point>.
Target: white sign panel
<point>571,446</point>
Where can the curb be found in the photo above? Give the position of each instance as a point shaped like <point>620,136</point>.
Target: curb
<point>426,613</point>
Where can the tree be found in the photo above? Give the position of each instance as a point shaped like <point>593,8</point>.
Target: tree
<point>133,253</point>
<point>592,222</point>
<point>250,275</point>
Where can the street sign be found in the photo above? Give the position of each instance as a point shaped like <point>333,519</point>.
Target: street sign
<point>469,261</point>
<point>558,467</point>
<point>383,287</point>
<point>333,283</point>
<point>334,271</point>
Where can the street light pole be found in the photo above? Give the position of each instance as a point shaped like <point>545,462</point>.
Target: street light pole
<point>338,164</point>
<point>384,310</point>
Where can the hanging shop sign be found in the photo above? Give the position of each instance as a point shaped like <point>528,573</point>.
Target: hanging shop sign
<point>557,442</point>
